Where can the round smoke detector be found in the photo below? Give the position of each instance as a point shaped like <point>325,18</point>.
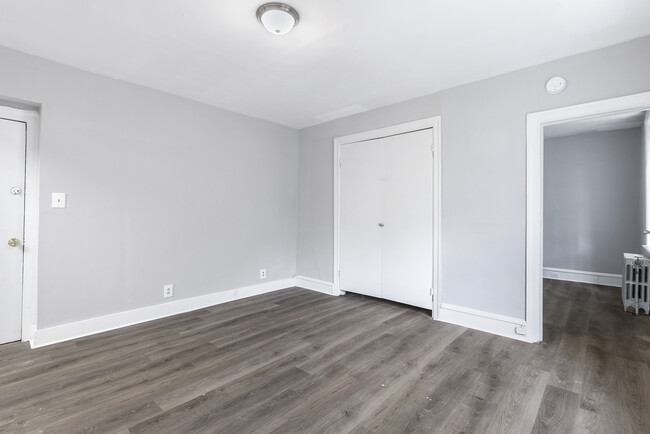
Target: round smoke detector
<point>555,85</point>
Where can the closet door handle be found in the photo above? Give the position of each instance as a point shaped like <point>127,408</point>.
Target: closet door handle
<point>381,225</point>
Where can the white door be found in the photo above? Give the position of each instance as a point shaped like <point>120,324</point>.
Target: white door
<point>360,210</point>
<point>12,216</point>
<point>407,215</point>
<point>386,218</point>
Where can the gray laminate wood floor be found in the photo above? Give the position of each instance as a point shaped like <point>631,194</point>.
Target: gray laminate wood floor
<point>297,361</point>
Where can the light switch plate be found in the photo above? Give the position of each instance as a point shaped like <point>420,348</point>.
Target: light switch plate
<point>58,200</point>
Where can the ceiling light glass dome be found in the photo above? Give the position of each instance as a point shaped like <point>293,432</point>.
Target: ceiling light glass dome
<point>277,18</point>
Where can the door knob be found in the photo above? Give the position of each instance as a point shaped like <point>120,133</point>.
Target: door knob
<point>13,242</point>
<point>381,225</point>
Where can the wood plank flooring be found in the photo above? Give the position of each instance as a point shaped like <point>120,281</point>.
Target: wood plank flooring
<point>296,361</point>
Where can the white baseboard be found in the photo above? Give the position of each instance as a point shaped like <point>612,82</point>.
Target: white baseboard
<point>466,317</point>
<point>314,284</point>
<point>484,321</point>
<point>52,335</point>
<point>583,276</point>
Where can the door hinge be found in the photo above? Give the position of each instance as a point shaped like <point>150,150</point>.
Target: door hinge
<point>432,153</point>
<point>520,330</point>
<point>339,274</point>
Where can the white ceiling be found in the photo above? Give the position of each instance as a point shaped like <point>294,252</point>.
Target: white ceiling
<point>619,121</point>
<point>342,58</point>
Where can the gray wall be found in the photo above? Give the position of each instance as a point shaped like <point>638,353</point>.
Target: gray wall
<point>160,190</point>
<point>483,170</point>
<point>592,208</point>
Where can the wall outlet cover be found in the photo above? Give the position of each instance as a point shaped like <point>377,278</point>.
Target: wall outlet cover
<point>58,200</point>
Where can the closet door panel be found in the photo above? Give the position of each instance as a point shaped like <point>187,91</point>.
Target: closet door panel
<point>407,213</point>
<point>360,207</point>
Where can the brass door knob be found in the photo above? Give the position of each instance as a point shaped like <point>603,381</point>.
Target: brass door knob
<point>13,242</point>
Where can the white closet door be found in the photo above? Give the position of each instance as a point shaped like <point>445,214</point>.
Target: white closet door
<point>407,213</point>
<point>12,207</point>
<point>360,207</point>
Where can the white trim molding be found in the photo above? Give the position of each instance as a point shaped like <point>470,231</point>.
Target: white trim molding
<point>435,124</point>
<point>64,332</point>
<point>535,190</point>
<point>466,317</point>
<point>606,279</point>
<point>30,237</point>
<point>510,327</point>
<point>315,285</point>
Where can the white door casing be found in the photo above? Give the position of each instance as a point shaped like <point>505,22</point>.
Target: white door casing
<point>535,123</point>
<point>411,183</point>
<point>12,218</point>
<point>31,119</point>
<point>434,124</point>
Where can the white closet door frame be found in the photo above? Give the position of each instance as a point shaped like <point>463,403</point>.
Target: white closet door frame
<point>30,241</point>
<point>434,124</point>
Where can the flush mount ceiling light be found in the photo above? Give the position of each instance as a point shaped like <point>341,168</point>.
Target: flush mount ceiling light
<point>277,18</point>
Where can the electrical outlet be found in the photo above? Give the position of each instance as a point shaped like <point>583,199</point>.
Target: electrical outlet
<point>262,273</point>
<point>554,275</point>
<point>168,291</point>
<point>58,200</point>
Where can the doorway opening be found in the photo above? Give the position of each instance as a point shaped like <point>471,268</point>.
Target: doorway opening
<point>568,236</point>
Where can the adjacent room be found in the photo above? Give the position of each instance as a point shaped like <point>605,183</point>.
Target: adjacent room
<point>595,202</point>
<point>324,217</point>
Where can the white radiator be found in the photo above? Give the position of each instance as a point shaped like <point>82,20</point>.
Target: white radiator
<point>635,283</point>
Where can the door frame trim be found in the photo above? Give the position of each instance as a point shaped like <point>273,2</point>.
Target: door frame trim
<point>535,123</point>
<point>435,124</point>
<point>30,237</point>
